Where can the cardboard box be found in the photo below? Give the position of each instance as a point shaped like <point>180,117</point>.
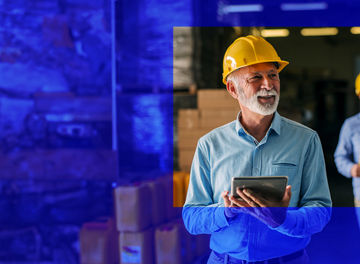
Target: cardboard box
<point>99,242</point>
<point>185,158</point>
<point>133,207</point>
<point>188,138</point>
<point>171,212</point>
<point>211,118</point>
<point>173,244</point>
<point>137,247</point>
<point>188,118</point>
<point>158,202</point>
<point>186,168</point>
<point>178,189</point>
<point>215,99</point>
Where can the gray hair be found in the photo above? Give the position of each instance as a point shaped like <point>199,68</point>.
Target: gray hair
<point>234,78</point>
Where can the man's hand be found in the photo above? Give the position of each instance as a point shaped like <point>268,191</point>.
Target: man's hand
<point>355,171</point>
<point>270,212</point>
<point>230,210</point>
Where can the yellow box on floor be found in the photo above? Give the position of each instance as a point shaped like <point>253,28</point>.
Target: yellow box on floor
<point>178,189</point>
<point>180,186</point>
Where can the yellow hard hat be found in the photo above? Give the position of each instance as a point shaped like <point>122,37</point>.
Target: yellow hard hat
<point>249,50</point>
<point>357,85</point>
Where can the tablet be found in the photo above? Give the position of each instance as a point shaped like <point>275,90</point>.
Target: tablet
<point>270,187</point>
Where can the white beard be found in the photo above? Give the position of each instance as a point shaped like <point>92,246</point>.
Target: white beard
<point>255,106</point>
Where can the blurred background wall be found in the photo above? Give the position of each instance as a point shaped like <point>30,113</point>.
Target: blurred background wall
<point>57,163</point>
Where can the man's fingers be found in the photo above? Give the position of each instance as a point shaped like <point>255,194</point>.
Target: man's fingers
<point>247,199</point>
<point>256,199</point>
<point>287,194</point>
<point>225,196</point>
<point>238,202</point>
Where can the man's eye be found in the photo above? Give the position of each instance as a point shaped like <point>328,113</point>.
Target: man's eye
<point>256,77</point>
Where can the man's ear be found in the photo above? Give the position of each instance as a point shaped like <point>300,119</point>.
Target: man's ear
<point>230,87</point>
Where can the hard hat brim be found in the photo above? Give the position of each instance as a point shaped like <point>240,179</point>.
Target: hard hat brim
<point>282,65</point>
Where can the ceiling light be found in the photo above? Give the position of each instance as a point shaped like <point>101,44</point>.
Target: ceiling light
<point>319,31</point>
<point>241,8</point>
<point>268,33</point>
<point>355,30</point>
<point>303,6</point>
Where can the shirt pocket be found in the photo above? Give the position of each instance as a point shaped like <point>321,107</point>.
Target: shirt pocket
<point>288,168</point>
<point>284,168</point>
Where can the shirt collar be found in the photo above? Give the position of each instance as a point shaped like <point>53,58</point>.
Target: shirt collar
<point>275,124</point>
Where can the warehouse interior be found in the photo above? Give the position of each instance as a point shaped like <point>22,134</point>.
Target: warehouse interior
<point>315,91</point>
<point>101,106</point>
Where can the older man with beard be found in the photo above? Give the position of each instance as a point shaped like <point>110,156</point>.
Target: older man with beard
<point>258,143</point>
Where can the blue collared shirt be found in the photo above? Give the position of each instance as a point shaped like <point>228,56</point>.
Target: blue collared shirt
<point>288,148</point>
<point>347,152</point>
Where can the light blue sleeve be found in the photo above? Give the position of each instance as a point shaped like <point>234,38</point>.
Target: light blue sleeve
<point>200,214</point>
<point>344,150</point>
<point>314,209</point>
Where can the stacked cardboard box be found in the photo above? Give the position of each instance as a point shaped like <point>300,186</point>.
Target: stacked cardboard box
<point>133,207</point>
<point>137,247</point>
<point>98,242</point>
<point>173,244</point>
<point>216,107</point>
<point>134,218</point>
<point>148,227</point>
<point>218,99</point>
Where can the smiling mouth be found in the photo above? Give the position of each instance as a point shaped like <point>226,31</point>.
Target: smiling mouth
<point>266,98</point>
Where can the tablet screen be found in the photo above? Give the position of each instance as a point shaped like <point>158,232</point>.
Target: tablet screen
<point>270,187</point>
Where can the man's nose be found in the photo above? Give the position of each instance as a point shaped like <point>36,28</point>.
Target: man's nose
<point>267,83</point>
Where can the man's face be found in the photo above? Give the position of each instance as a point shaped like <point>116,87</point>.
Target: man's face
<point>258,88</point>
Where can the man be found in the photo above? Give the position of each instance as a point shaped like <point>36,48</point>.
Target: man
<point>258,143</point>
<point>347,152</point>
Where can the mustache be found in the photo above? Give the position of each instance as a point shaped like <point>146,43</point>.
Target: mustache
<point>264,92</point>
